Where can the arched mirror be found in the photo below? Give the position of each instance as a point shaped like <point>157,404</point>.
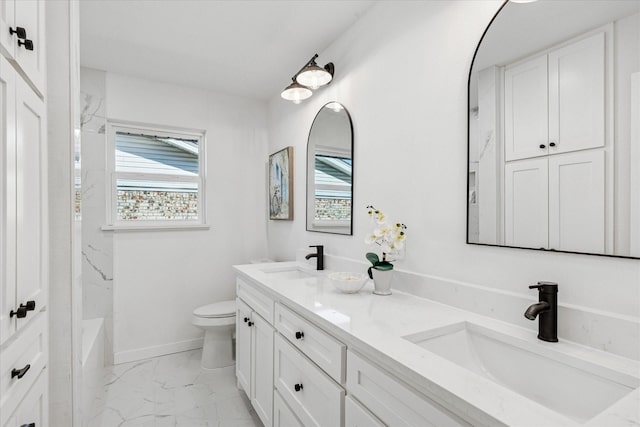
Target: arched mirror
<point>554,128</point>
<point>330,171</point>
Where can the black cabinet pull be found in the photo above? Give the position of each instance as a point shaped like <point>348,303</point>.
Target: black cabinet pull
<point>28,425</point>
<point>250,324</point>
<point>552,144</point>
<point>246,319</point>
<point>299,335</point>
<point>28,44</point>
<point>20,372</point>
<point>543,146</point>
<point>297,387</point>
<point>30,305</point>
<point>20,313</point>
<point>22,33</point>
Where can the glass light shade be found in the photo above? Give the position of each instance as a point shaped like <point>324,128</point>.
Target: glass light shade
<point>313,76</point>
<point>296,93</point>
<point>335,106</point>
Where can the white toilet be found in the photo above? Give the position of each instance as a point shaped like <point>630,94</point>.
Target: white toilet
<point>218,321</point>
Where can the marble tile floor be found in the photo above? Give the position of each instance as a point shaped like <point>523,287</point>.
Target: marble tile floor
<point>171,391</point>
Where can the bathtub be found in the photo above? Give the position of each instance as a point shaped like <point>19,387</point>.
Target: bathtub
<point>92,365</point>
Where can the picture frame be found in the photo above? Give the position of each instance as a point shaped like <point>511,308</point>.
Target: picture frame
<point>281,185</point>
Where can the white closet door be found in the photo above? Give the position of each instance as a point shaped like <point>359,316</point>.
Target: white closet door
<point>30,15</point>
<point>8,199</point>
<point>576,202</point>
<point>526,203</point>
<point>243,346</point>
<point>577,95</point>
<point>8,42</point>
<point>31,243</point>
<point>525,109</point>
<point>262,368</point>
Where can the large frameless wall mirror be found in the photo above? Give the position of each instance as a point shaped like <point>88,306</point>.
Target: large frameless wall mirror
<point>330,171</point>
<point>554,128</point>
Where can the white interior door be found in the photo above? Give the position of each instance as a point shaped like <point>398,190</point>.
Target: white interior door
<point>526,203</point>
<point>8,199</point>
<point>577,95</point>
<point>577,201</point>
<point>31,243</point>
<point>526,110</point>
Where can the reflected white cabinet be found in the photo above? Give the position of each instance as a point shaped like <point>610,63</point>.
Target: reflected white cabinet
<point>254,355</point>
<point>28,15</point>
<point>33,410</point>
<point>526,109</point>
<point>551,201</point>
<point>526,201</point>
<point>577,201</point>
<point>555,103</point>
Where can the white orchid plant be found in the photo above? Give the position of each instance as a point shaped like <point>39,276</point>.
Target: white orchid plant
<point>389,236</point>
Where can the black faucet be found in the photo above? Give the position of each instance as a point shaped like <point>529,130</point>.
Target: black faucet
<point>547,309</point>
<point>319,255</point>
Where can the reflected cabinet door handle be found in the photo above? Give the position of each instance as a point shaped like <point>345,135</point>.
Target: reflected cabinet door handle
<point>543,146</point>
<point>552,144</point>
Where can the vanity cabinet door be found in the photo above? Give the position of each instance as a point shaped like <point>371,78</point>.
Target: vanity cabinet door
<point>393,402</point>
<point>243,346</point>
<point>283,416</point>
<point>262,368</point>
<point>312,395</point>
<point>355,415</point>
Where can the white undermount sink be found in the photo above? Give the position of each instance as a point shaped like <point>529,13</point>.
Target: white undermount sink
<point>288,272</point>
<point>565,384</point>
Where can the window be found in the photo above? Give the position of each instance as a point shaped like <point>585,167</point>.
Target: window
<point>157,177</point>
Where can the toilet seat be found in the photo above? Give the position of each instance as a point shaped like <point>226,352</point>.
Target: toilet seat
<point>216,310</point>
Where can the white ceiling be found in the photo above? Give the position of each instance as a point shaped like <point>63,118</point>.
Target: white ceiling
<point>239,47</point>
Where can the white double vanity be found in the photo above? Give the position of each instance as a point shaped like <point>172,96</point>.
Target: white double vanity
<point>308,355</point>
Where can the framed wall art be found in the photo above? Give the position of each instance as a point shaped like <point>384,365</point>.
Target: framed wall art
<point>281,184</point>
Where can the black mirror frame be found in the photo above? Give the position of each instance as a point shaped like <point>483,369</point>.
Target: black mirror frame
<point>473,60</point>
<point>306,222</point>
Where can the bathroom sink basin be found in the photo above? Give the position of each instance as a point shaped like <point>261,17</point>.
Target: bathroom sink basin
<point>288,273</point>
<point>565,384</point>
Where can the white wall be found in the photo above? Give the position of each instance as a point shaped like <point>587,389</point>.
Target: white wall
<point>402,71</point>
<point>159,277</point>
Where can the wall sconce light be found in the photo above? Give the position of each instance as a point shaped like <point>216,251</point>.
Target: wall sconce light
<point>309,77</point>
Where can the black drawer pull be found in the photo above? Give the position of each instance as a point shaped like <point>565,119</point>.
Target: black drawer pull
<point>28,425</point>
<point>299,335</point>
<point>297,387</point>
<point>22,33</point>
<point>20,313</point>
<point>552,144</point>
<point>246,319</point>
<point>20,372</point>
<point>250,324</point>
<point>30,305</point>
<point>28,44</point>
<point>543,146</point>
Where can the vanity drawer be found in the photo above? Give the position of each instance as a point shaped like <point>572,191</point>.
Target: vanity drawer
<point>33,409</point>
<point>356,415</point>
<point>283,416</point>
<point>327,352</point>
<point>393,402</point>
<point>29,349</point>
<point>318,400</point>
<point>260,302</point>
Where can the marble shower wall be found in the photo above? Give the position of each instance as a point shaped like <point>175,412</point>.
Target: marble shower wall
<point>97,245</point>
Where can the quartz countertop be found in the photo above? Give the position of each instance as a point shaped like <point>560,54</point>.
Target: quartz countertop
<point>375,326</point>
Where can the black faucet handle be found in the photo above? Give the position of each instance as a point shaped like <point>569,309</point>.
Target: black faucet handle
<point>545,286</point>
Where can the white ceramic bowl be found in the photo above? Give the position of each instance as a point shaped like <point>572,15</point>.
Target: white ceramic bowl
<point>348,283</point>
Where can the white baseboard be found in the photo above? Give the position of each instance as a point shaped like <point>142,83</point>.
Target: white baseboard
<point>156,350</point>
